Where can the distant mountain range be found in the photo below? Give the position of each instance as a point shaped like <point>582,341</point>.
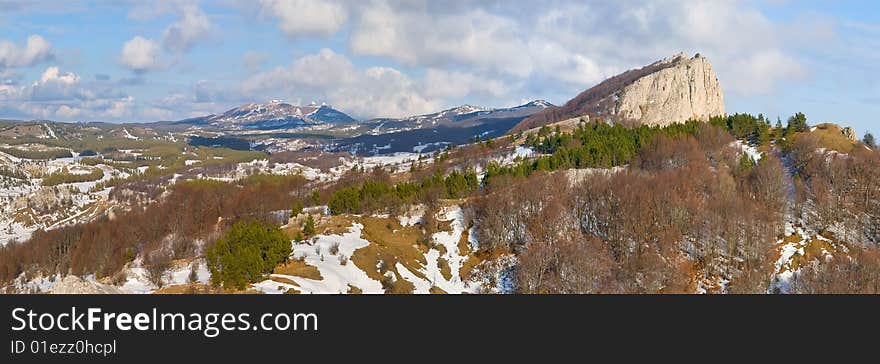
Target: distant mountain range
<point>277,115</point>
<point>431,132</point>
<point>458,117</point>
<point>325,127</point>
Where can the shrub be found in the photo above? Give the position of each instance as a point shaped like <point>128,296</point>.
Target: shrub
<point>193,273</point>
<point>156,263</point>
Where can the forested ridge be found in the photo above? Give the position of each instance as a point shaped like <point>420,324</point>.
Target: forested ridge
<point>686,211</point>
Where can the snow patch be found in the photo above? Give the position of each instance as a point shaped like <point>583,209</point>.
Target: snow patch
<point>336,276</point>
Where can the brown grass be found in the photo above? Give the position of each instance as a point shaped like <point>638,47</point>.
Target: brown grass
<point>478,257</point>
<point>401,286</point>
<point>464,246</point>
<point>298,268</point>
<point>444,225</point>
<point>333,225</point>
<point>813,251</point>
<point>199,288</point>
<point>283,280</point>
<point>831,136</point>
<point>391,243</point>
<point>184,289</point>
<point>445,270</point>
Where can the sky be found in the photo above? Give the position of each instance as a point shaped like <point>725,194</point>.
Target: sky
<point>139,61</point>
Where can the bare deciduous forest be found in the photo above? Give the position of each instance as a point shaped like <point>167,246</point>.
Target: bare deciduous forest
<point>687,213</point>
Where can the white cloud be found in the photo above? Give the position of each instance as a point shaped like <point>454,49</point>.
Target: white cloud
<point>149,10</point>
<point>36,50</point>
<point>577,43</point>
<point>332,77</point>
<point>54,85</point>
<point>299,17</point>
<point>383,91</point>
<point>412,56</point>
<point>457,84</point>
<point>746,48</point>
<point>193,26</point>
<point>63,96</point>
<point>141,55</point>
<point>52,74</point>
<point>65,112</point>
<point>419,38</point>
<point>157,113</point>
<point>324,69</point>
<point>756,69</point>
<point>203,98</point>
<point>254,60</point>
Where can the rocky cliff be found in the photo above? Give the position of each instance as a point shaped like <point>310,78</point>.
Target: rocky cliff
<point>672,90</point>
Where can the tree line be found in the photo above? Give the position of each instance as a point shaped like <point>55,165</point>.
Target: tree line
<point>378,194</point>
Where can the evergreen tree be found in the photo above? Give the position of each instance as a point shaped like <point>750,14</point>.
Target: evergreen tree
<point>543,131</point>
<point>309,227</point>
<point>246,252</point>
<point>763,134</point>
<point>316,198</point>
<point>869,140</point>
<point>745,163</point>
<point>297,209</point>
<point>797,124</point>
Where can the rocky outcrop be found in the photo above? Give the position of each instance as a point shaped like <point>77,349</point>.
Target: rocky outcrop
<point>672,90</point>
<point>850,134</point>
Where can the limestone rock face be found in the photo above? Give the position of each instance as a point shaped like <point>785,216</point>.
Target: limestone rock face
<point>675,89</point>
<point>687,90</point>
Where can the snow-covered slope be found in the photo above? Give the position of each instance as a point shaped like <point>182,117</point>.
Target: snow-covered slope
<point>425,270</point>
<point>26,205</point>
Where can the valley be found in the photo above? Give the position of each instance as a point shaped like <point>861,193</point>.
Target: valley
<point>588,197</point>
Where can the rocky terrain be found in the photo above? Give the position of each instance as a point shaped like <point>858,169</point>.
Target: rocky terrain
<point>671,90</point>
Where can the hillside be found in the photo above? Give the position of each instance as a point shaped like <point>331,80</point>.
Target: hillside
<point>835,137</point>
<point>687,208</point>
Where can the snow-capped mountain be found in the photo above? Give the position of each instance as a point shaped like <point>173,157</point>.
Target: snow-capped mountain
<point>461,116</point>
<point>535,104</point>
<point>275,115</point>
